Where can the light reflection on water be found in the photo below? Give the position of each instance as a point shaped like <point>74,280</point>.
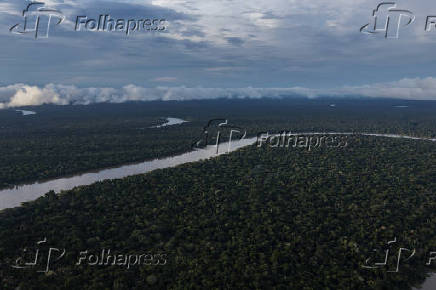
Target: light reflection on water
<point>15,196</point>
<point>171,121</point>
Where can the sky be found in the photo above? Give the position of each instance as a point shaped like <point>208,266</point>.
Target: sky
<point>216,48</point>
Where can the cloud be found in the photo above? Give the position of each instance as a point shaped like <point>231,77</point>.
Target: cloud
<point>212,43</point>
<point>407,88</point>
<point>25,95</point>
<point>165,79</point>
<point>237,41</point>
<point>9,8</point>
<point>224,69</point>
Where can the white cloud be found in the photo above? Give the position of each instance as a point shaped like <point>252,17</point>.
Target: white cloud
<point>25,95</point>
<point>226,43</point>
<point>9,8</point>
<point>28,95</point>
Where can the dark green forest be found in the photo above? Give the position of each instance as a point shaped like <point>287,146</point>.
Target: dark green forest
<point>64,140</point>
<point>257,218</point>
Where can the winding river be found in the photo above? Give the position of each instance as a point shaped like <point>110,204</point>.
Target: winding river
<point>13,197</point>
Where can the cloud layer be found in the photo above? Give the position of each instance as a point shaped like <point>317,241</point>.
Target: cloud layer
<point>210,43</point>
<point>25,95</point>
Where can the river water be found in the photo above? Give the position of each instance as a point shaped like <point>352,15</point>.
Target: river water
<point>26,113</point>
<point>429,283</point>
<point>15,196</point>
<point>170,122</point>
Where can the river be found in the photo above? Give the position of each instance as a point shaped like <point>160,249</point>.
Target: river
<point>170,122</point>
<point>26,113</point>
<point>15,196</point>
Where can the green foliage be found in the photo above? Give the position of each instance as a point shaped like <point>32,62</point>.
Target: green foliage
<point>258,218</point>
<point>64,140</point>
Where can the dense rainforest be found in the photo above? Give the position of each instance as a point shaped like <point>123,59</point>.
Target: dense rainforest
<point>257,218</point>
<point>64,140</point>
